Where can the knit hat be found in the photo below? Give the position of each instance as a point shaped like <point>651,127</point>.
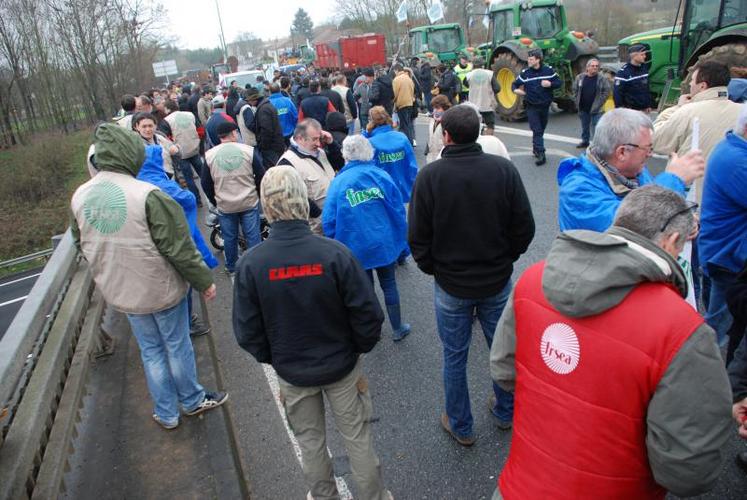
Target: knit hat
<point>225,128</point>
<point>284,195</point>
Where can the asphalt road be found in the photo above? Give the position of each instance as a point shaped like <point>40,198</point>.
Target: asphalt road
<point>13,291</point>
<point>419,460</point>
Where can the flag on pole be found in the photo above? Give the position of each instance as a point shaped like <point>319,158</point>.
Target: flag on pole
<point>435,11</point>
<point>402,12</point>
<point>486,18</point>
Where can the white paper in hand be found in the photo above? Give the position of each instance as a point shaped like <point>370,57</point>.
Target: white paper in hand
<point>695,142</point>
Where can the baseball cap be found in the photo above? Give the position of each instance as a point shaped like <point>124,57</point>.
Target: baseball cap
<point>218,99</point>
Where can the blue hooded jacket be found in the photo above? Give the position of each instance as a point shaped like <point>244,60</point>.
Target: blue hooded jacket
<point>723,233</point>
<point>364,211</point>
<point>287,113</point>
<point>393,153</point>
<point>152,172</point>
<point>586,200</point>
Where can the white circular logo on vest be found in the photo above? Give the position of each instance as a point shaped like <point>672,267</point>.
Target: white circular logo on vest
<point>559,348</point>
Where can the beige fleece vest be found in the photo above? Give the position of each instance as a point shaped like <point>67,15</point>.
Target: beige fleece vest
<point>230,167</point>
<point>115,239</point>
<point>343,92</point>
<point>182,125</point>
<point>250,139</point>
<point>316,178</point>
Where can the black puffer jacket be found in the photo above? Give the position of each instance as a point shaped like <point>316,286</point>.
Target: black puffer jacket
<point>382,93</point>
<point>338,127</point>
<point>304,304</point>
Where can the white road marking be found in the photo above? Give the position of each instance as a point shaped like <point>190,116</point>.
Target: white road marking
<point>20,279</point>
<point>13,301</point>
<point>272,381</point>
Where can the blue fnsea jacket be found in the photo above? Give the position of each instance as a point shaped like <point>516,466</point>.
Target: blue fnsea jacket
<point>364,211</point>
<point>586,200</point>
<point>152,172</point>
<point>393,153</point>
<point>531,79</point>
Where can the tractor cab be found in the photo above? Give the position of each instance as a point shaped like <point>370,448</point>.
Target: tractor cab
<point>443,41</point>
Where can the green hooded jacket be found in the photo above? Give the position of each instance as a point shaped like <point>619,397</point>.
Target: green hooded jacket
<point>122,151</point>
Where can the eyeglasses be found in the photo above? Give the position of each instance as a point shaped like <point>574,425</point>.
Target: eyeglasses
<point>649,148</point>
<point>691,205</point>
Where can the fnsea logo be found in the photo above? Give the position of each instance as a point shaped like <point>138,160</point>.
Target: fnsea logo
<point>559,348</point>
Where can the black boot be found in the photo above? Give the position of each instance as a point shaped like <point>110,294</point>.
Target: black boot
<point>541,159</point>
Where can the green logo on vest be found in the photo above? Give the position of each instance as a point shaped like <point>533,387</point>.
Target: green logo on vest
<point>362,196</point>
<point>391,157</point>
<point>105,208</point>
<point>184,120</point>
<point>228,158</point>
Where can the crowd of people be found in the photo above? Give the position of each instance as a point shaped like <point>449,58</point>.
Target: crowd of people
<point>604,336</point>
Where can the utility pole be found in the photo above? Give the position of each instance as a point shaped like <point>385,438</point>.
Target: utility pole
<point>222,35</point>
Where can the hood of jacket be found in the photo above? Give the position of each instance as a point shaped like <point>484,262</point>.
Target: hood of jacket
<point>381,129</point>
<point>587,273</point>
<point>118,149</point>
<point>336,122</point>
<point>737,89</point>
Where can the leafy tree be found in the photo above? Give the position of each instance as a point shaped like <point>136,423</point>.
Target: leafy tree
<point>302,24</point>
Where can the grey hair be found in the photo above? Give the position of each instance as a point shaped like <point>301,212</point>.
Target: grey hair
<point>741,126</point>
<point>473,106</point>
<point>588,63</point>
<point>357,148</point>
<point>302,129</point>
<point>646,209</point>
<point>617,127</point>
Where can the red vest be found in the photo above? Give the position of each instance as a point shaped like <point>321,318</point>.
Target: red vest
<point>583,386</point>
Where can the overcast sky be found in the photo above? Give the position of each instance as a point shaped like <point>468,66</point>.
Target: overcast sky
<point>195,22</point>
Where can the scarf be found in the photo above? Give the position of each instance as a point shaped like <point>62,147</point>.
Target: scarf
<point>619,183</point>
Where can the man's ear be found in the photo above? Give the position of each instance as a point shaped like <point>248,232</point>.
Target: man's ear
<point>669,244</point>
<point>447,138</point>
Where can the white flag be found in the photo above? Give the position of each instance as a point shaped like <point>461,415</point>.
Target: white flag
<point>486,18</point>
<point>435,11</point>
<point>402,12</point>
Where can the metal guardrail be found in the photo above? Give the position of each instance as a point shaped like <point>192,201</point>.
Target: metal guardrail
<point>26,258</point>
<point>44,359</point>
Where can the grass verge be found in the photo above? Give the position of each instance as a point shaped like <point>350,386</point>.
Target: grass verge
<point>38,180</point>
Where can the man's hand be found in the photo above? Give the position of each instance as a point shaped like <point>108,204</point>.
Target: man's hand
<point>520,91</point>
<point>546,83</point>
<point>739,412</point>
<point>687,167</point>
<point>684,99</point>
<point>326,138</point>
<point>210,293</point>
<point>173,149</point>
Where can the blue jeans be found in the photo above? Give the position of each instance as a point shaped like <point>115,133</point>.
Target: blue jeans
<point>387,282</point>
<point>229,228</point>
<point>718,315</point>
<point>588,125</point>
<point>169,360</point>
<point>427,97</point>
<point>454,320</point>
<point>537,116</point>
<point>364,121</point>
<point>351,127</point>
<point>186,165</point>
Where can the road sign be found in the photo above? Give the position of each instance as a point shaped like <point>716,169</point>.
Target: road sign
<point>165,68</point>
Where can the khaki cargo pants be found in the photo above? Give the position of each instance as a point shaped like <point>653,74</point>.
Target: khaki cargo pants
<point>350,402</point>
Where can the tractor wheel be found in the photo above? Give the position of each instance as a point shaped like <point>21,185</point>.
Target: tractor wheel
<point>506,68</point>
<point>734,55</point>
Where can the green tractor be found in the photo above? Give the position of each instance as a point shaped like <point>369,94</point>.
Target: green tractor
<point>518,27</point>
<point>437,43</point>
<point>716,30</point>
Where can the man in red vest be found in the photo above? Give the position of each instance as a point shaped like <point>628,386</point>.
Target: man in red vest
<point>620,390</point>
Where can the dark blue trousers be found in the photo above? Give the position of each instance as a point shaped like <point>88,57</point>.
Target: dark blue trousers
<point>537,116</point>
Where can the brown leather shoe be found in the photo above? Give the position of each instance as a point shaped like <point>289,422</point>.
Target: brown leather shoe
<point>464,441</point>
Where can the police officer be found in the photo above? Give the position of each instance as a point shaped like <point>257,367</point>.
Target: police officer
<point>461,70</point>
<point>631,82</point>
<point>536,83</point>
